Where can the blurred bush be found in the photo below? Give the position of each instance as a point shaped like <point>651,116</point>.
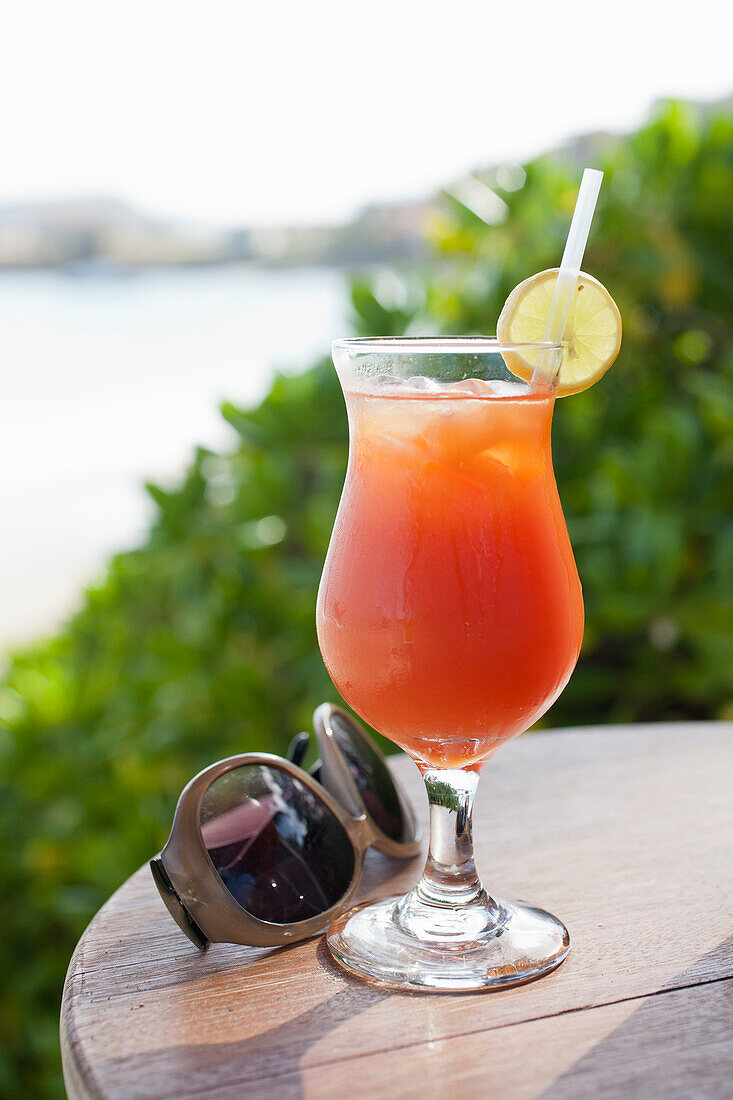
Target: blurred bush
<point>202,642</point>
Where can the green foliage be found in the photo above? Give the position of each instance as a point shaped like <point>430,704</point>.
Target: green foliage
<point>202,642</point>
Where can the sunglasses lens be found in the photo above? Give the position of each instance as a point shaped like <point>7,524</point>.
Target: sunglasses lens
<point>372,777</point>
<point>277,847</point>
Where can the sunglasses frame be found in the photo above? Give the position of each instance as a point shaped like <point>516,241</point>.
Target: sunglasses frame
<point>336,777</point>
<point>190,885</point>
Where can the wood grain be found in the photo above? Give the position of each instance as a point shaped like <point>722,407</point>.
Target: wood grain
<point>624,832</point>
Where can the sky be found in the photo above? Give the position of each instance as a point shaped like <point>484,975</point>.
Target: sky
<point>264,113</point>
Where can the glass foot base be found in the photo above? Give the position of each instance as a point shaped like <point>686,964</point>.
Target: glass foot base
<point>492,946</point>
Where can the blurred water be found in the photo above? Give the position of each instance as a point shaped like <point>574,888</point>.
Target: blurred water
<point>111,380</point>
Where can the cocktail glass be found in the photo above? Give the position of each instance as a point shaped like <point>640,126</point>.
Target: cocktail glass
<point>450,617</point>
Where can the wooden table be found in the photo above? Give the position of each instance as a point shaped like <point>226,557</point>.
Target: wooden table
<point>624,831</point>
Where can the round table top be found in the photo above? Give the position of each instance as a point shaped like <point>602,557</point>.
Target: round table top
<point>623,831</point>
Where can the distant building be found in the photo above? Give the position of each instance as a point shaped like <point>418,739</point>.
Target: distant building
<point>115,234</point>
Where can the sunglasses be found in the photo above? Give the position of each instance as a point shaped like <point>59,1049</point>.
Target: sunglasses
<point>264,853</point>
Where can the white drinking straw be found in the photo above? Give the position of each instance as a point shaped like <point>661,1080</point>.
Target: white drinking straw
<point>572,258</point>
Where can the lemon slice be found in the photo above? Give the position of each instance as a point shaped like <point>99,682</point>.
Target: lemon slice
<point>592,336</point>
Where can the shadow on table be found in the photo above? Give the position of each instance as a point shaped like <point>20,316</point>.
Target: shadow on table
<point>676,1044</point>
<point>266,1064</point>
<point>269,1063</point>
<point>683,1031</point>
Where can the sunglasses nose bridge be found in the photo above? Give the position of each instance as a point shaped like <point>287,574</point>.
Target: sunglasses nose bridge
<point>363,832</point>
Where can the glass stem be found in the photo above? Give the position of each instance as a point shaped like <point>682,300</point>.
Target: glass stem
<point>450,878</point>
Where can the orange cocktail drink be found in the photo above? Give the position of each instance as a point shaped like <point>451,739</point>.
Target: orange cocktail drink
<point>450,613</point>
<point>449,616</point>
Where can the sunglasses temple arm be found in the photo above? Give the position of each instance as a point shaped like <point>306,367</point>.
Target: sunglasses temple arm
<point>175,906</point>
<point>297,749</point>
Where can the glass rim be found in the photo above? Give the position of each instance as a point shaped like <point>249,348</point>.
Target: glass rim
<point>431,345</point>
